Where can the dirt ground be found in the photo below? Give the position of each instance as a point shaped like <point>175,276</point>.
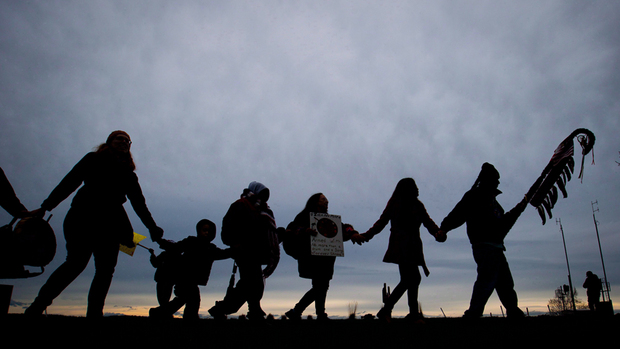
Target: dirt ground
<point>128,331</point>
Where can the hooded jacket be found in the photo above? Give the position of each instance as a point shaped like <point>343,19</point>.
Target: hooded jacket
<point>249,227</point>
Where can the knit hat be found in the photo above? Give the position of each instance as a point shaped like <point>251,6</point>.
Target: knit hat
<point>488,173</point>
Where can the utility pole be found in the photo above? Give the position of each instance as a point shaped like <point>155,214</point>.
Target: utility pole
<point>605,284</point>
<point>570,280</point>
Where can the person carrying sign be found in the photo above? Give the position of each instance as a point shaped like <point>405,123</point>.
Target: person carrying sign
<point>319,269</point>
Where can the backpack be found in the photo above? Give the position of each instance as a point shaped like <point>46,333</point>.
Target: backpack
<point>294,245</point>
<point>31,243</point>
<point>234,223</point>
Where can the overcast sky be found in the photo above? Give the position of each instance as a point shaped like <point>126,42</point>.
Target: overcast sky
<point>339,97</point>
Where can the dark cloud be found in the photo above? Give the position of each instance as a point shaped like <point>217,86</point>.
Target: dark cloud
<point>338,97</point>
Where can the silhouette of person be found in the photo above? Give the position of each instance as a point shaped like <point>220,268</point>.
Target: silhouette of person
<point>593,290</point>
<point>406,213</point>
<point>96,222</point>
<point>8,199</point>
<point>9,266</point>
<point>166,265</point>
<point>249,228</point>
<point>194,269</point>
<point>487,225</point>
<point>319,269</point>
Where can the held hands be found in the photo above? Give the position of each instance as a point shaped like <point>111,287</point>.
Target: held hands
<point>156,233</point>
<point>366,236</point>
<point>357,238</point>
<point>38,213</point>
<point>441,236</point>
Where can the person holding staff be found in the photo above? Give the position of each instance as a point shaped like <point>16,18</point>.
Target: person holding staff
<point>487,225</point>
<point>96,223</point>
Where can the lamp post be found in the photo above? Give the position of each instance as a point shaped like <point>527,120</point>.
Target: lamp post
<point>570,280</point>
<point>605,284</point>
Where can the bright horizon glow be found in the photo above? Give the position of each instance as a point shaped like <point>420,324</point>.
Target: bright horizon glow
<point>276,303</point>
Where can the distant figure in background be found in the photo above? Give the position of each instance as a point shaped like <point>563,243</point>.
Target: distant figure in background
<point>319,269</point>
<point>249,228</point>
<point>8,199</point>
<point>593,290</point>
<point>96,222</point>
<point>406,213</point>
<point>193,270</point>
<point>487,225</point>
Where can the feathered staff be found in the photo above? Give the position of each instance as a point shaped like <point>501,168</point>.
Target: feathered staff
<point>544,194</point>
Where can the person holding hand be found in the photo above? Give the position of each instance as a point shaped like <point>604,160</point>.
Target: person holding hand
<point>96,223</point>
<point>406,213</point>
<point>487,225</point>
<point>319,269</point>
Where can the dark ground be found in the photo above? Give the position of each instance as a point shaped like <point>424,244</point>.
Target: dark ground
<point>137,332</point>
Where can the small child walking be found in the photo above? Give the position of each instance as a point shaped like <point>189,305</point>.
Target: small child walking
<point>194,268</point>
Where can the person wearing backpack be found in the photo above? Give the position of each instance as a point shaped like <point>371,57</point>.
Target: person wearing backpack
<point>319,269</point>
<point>250,229</point>
<point>593,288</point>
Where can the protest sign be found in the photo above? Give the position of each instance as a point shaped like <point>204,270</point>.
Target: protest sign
<point>328,241</point>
